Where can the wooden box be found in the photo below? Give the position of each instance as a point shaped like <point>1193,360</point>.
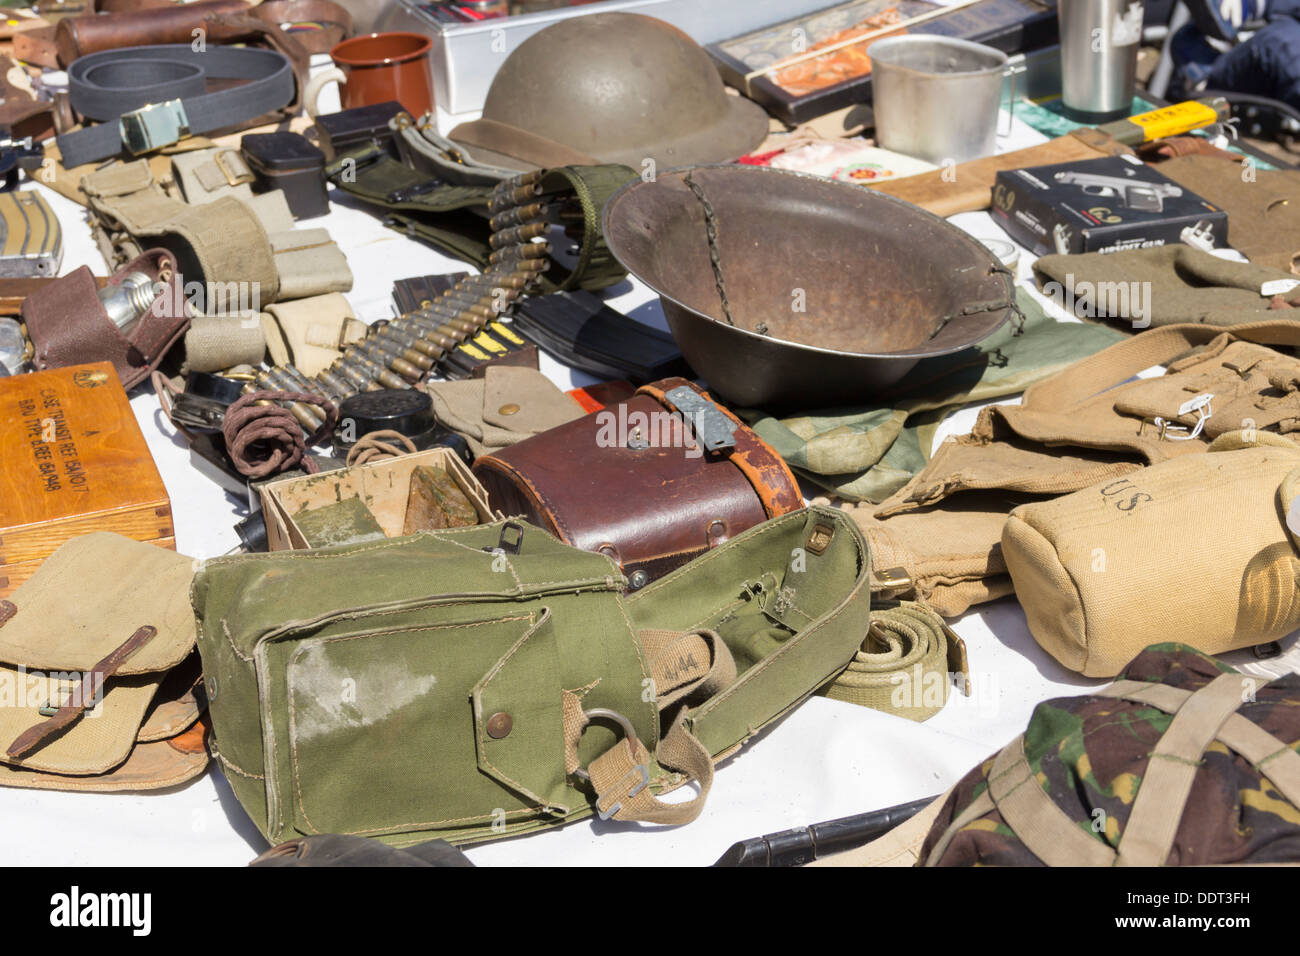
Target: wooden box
<point>382,485</point>
<point>72,461</point>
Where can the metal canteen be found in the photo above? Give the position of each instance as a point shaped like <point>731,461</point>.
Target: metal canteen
<point>835,291</point>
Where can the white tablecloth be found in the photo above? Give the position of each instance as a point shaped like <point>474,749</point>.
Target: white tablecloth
<point>826,759</point>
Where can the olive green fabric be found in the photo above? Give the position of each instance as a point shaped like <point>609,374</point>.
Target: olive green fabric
<point>364,690</point>
<point>453,215</point>
<point>1168,285</point>
<point>869,452</point>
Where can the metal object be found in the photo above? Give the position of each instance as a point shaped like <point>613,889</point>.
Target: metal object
<point>714,430</point>
<point>1137,194</point>
<point>13,347</point>
<point>399,353</point>
<point>499,725</point>
<point>937,98</point>
<point>127,301</point>
<point>1099,48</point>
<point>619,87</point>
<point>852,286</point>
<point>805,844</point>
<point>154,126</point>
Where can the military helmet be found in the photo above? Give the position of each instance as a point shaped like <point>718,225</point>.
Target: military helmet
<point>616,87</point>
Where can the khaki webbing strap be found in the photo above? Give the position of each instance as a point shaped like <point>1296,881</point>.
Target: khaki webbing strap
<point>694,664</point>
<point>977,808</point>
<point>1270,756</point>
<point>1031,813</point>
<point>907,672</point>
<point>684,666</point>
<point>1158,808</point>
<point>619,776</point>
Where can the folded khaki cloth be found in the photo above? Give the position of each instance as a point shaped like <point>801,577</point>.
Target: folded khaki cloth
<point>99,679</point>
<point>1167,285</point>
<point>1263,206</point>
<point>507,405</point>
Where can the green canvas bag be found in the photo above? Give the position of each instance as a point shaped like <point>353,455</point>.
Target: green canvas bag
<point>482,682</point>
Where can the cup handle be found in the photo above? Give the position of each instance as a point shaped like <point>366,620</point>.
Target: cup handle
<point>1013,70</point>
<point>311,92</point>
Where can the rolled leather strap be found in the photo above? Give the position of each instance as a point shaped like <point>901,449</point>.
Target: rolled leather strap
<point>104,86</point>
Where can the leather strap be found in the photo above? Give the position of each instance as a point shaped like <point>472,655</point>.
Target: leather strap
<point>105,85</point>
<point>316,24</point>
<point>81,698</point>
<point>763,468</point>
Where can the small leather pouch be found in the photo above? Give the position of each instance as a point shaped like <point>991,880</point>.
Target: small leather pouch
<point>101,692</point>
<point>68,325</point>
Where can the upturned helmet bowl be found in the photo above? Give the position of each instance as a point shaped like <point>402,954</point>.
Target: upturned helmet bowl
<point>835,291</point>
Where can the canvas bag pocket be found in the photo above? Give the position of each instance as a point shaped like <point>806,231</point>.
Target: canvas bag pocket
<point>1196,546</point>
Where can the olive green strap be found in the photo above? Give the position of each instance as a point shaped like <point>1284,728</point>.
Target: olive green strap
<point>903,666</point>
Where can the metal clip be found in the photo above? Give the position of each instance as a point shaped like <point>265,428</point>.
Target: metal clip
<point>508,547</point>
<point>891,579</point>
<point>231,165</point>
<point>154,126</point>
<point>641,770</point>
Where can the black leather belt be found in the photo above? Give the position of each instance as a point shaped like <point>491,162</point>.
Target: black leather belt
<point>147,97</point>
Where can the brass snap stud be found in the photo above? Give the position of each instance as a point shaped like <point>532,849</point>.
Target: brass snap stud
<point>508,409</point>
<point>499,725</point>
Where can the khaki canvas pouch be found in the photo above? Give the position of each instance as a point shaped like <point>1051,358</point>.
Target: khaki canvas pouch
<point>208,174</point>
<point>503,408</point>
<point>310,334</point>
<point>1196,546</point>
<point>62,634</point>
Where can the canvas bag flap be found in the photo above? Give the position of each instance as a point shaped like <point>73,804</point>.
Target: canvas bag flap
<point>61,625</point>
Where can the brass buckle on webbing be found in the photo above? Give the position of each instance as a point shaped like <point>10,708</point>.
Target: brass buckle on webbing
<point>154,126</point>
<point>641,770</point>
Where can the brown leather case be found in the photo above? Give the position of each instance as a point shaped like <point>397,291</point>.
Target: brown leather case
<point>76,36</point>
<point>67,323</point>
<point>631,481</point>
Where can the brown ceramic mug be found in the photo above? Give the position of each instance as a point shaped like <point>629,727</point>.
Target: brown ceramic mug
<point>378,68</point>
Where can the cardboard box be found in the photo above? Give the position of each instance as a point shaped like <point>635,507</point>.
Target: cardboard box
<point>1102,205</point>
<point>382,485</point>
<point>72,460</point>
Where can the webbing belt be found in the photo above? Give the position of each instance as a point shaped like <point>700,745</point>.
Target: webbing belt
<point>146,97</point>
<point>905,665</point>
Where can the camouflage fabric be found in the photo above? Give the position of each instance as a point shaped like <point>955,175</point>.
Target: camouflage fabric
<point>1091,753</point>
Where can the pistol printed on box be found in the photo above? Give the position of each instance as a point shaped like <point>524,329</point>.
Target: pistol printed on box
<point>1102,205</point>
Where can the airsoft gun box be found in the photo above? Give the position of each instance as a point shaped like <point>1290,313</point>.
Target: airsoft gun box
<point>1102,205</point>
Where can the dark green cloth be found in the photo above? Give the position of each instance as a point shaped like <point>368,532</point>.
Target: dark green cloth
<point>868,452</point>
<point>1166,285</point>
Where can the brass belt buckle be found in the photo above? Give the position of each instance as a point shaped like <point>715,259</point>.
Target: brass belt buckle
<point>154,126</point>
<point>231,165</point>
